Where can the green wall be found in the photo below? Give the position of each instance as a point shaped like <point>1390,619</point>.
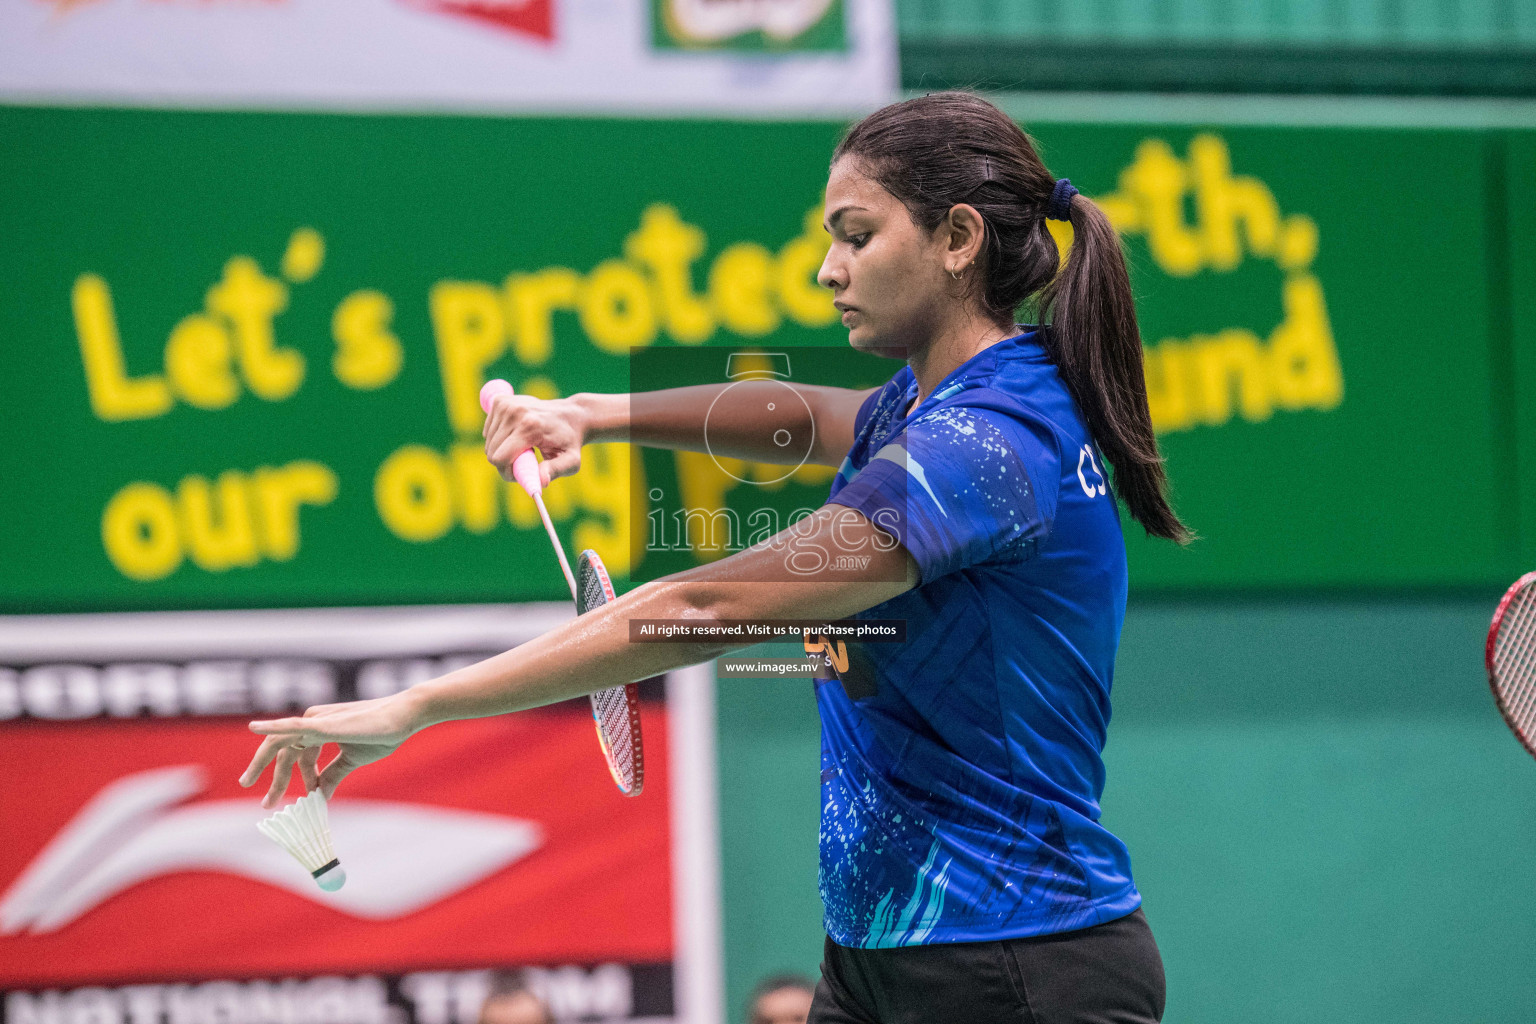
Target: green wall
<point>1520,369</point>
<point>1326,818</point>
<point>1337,47</point>
<point>241,351</point>
<point>1338,23</point>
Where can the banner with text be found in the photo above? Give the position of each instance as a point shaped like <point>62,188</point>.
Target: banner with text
<point>135,887</point>
<point>243,350</point>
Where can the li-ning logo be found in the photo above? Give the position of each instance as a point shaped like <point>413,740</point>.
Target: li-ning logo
<point>141,827</point>
<point>835,651</point>
<point>1085,461</point>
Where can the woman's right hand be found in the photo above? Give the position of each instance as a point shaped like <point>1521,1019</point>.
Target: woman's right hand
<point>557,427</point>
<point>364,730</point>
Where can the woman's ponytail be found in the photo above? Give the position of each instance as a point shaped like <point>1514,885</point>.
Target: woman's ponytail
<point>1096,345</point>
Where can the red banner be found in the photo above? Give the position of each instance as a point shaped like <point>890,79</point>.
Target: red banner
<point>567,870</point>
<point>135,887</point>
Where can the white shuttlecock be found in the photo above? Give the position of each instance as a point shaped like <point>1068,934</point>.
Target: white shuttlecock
<point>304,830</point>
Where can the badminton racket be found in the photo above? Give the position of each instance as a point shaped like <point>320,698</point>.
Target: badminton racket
<point>1511,659</point>
<point>616,710</point>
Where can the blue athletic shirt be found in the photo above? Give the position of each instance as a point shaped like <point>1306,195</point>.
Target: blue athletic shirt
<point>961,769</point>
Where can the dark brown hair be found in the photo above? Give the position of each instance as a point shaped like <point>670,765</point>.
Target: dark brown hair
<point>938,151</point>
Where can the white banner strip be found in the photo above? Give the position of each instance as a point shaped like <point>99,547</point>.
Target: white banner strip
<point>548,56</point>
<point>285,632</point>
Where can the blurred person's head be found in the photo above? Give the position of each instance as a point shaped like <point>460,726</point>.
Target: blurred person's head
<point>938,210</point>
<point>511,1001</point>
<point>781,999</point>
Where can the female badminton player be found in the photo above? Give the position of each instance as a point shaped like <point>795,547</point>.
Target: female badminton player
<point>964,872</point>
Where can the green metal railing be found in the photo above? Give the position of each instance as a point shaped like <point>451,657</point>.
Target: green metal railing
<point>1422,47</point>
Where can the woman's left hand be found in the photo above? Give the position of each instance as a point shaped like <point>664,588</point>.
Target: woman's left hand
<point>365,730</point>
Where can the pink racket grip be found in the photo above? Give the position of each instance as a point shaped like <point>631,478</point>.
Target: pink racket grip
<point>525,468</point>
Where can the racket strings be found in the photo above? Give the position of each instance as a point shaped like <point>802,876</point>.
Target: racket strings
<point>615,711</point>
<point>612,707</point>
<point>592,592</point>
<point>1514,663</point>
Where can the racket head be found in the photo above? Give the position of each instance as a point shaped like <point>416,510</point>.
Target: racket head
<point>1510,658</point>
<point>616,710</point>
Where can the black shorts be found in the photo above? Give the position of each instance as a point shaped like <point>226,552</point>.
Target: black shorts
<point>1110,973</point>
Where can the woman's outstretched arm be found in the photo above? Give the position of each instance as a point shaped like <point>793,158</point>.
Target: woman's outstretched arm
<point>789,576</point>
<point>741,424</point>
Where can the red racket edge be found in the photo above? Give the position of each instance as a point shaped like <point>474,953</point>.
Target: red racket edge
<point>1529,579</point>
<point>632,703</point>
<point>631,700</point>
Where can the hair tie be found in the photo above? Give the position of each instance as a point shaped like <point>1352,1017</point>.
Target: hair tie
<point>1060,206</point>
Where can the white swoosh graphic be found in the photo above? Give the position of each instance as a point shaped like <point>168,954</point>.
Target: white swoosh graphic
<point>120,808</point>
<point>903,458</point>
<point>399,857</point>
